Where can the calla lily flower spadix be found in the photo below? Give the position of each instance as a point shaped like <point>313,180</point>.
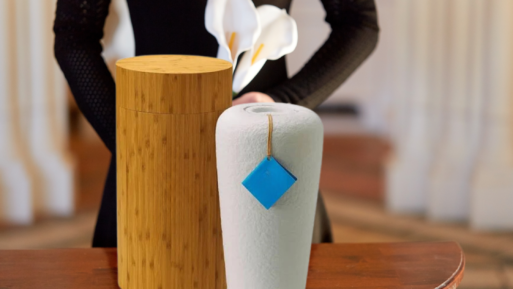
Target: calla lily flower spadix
<point>264,33</point>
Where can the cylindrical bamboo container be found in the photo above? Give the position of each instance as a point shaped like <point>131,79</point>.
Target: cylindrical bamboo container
<point>169,232</point>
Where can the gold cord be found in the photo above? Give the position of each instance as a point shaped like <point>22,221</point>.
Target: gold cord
<point>270,137</point>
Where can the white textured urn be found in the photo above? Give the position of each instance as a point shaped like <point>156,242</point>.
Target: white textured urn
<point>268,249</point>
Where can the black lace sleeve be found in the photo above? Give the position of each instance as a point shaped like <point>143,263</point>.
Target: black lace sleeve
<point>353,37</point>
<point>78,30</point>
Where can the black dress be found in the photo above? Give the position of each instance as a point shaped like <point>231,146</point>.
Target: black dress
<point>177,27</point>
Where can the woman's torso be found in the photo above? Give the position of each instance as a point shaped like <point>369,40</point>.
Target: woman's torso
<point>178,27</point>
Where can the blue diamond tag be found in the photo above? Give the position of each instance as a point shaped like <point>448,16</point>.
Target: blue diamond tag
<point>268,182</point>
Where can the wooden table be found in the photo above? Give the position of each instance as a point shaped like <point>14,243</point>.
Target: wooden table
<point>392,265</point>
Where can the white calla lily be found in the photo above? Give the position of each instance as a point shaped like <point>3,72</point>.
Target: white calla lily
<point>277,38</point>
<point>235,25</point>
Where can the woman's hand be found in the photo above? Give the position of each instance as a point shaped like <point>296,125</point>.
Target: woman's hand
<point>251,97</point>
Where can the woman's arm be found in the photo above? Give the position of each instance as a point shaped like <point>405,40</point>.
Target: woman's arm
<point>354,35</point>
<point>78,30</point>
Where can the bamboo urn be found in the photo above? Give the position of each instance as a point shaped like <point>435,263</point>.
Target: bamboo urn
<point>169,229</point>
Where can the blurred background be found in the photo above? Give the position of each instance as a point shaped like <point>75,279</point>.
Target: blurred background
<point>418,142</point>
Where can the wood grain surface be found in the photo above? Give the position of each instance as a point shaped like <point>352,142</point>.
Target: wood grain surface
<point>169,230</point>
<point>339,266</point>
<point>175,84</point>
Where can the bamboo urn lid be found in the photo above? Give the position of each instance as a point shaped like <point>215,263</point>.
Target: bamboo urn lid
<point>174,84</point>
